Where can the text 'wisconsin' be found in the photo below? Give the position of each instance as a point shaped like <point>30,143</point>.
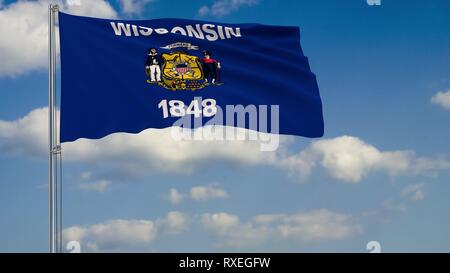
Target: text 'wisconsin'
<point>209,32</point>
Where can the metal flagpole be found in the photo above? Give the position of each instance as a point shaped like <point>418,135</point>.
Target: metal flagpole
<point>54,148</point>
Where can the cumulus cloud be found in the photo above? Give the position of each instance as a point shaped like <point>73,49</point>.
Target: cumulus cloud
<point>442,99</point>
<point>155,149</point>
<point>113,235</point>
<point>305,227</point>
<point>320,225</point>
<point>133,6</point>
<point>315,226</point>
<point>175,197</point>
<point>27,135</point>
<point>222,8</point>
<point>121,234</point>
<point>90,8</point>
<point>349,159</point>
<point>175,223</point>
<point>208,192</point>
<point>24,29</point>
<point>197,193</point>
<point>150,149</point>
<point>220,223</point>
<point>345,158</point>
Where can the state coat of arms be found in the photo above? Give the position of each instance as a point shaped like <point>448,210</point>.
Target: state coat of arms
<point>179,70</point>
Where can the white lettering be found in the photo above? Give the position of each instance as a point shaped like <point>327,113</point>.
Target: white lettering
<point>145,31</point>
<point>230,32</point>
<point>199,31</point>
<point>220,30</point>
<point>161,31</point>
<point>179,30</point>
<point>195,32</point>
<point>135,30</point>
<point>121,27</point>
<point>211,34</point>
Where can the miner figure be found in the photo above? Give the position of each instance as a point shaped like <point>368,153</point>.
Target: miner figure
<point>153,65</point>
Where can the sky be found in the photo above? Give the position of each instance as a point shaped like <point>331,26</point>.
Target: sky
<point>380,173</point>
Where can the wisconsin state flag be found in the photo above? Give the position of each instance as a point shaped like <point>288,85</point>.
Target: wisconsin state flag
<point>127,76</point>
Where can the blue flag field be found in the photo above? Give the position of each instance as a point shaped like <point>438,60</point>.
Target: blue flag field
<point>127,76</point>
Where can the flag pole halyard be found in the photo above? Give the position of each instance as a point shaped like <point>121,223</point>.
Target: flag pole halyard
<point>54,226</point>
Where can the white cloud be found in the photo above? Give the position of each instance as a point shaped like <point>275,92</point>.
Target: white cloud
<point>320,225</point>
<point>138,235</point>
<point>90,8</point>
<point>219,222</point>
<point>133,6</point>
<point>197,193</point>
<point>27,135</point>
<point>156,149</point>
<point>442,99</point>
<point>98,185</point>
<point>222,8</point>
<point>344,158</point>
<point>121,235</point>
<point>149,150</point>
<point>208,192</point>
<point>113,235</point>
<point>306,227</point>
<point>175,197</point>
<point>414,192</point>
<point>248,236</point>
<point>350,159</point>
<point>410,193</point>
<point>431,165</point>
<point>176,222</point>
<point>89,183</point>
<point>24,29</point>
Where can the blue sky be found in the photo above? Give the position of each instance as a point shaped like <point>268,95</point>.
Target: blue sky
<point>381,172</point>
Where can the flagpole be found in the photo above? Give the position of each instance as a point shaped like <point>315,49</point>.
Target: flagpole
<point>54,245</point>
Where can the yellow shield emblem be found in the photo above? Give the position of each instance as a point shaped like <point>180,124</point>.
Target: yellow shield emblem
<point>181,71</point>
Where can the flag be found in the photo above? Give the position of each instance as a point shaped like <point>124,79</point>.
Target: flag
<point>128,76</point>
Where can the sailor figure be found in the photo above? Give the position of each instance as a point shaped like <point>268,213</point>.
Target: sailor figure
<point>210,67</point>
<point>152,65</point>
